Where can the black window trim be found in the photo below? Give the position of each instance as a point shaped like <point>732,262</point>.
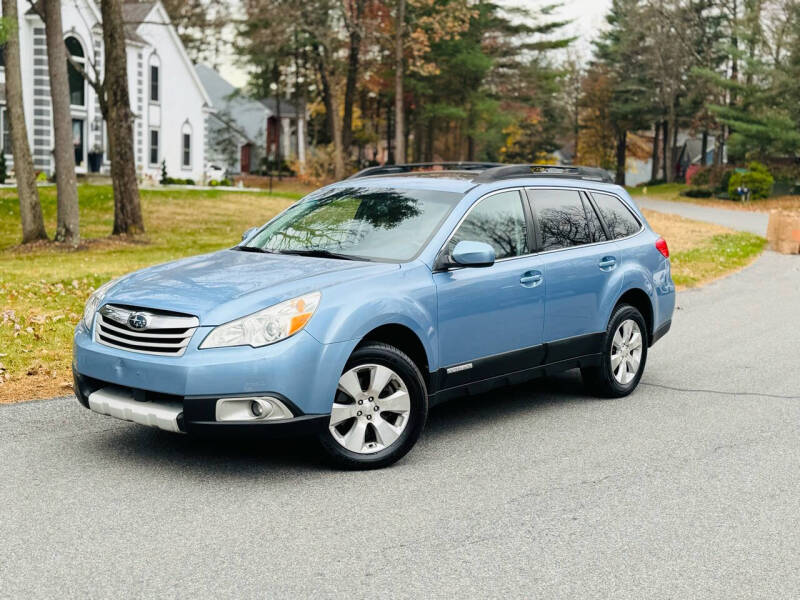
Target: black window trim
<point>529,226</point>
<point>588,193</point>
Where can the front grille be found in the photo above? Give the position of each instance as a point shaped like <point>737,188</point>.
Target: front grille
<point>158,332</point>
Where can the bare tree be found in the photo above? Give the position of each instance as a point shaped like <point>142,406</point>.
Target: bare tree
<point>67,225</point>
<point>116,107</point>
<point>30,209</point>
<point>399,110</point>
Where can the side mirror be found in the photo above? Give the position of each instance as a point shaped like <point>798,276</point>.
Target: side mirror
<point>473,254</point>
<point>249,232</point>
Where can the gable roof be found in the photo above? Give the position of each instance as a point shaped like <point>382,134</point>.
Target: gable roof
<point>133,15</point>
<point>249,116</point>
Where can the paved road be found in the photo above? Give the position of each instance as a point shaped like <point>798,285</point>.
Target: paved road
<point>754,222</point>
<point>689,488</point>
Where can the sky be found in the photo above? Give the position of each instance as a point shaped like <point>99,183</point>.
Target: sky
<point>587,16</point>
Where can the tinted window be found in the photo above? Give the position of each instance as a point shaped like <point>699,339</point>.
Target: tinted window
<point>595,228</point>
<point>154,83</point>
<point>618,219</point>
<point>498,220</point>
<point>561,218</point>
<point>372,223</point>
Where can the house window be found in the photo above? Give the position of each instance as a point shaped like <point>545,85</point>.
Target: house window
<point>77,86</point>
<point>5,142</point>
<point>154,149</point>
<point>187,150</point>
<point>154,83</point>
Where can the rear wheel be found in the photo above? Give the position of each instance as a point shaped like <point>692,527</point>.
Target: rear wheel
<point>624,355</point>
<point>379,409</point>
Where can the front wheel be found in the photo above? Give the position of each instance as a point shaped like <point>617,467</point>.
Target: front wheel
<point>379,409</point>
<point>623,357</point>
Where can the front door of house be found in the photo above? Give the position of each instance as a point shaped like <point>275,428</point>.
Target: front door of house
<point>78,141</point>
<point>246,158</point>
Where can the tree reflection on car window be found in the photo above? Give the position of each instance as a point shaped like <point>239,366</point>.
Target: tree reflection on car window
<point>498,221</point>
<point>562,218</point>
<point>372,223</point>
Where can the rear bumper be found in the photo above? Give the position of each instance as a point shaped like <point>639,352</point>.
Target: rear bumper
<point>194,415</point>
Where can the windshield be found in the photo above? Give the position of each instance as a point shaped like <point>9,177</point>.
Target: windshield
<point>358,222</point>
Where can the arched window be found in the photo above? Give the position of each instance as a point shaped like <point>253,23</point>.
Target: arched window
<point>155,79</point>
<point>77,86</point>
<point>186,145</point>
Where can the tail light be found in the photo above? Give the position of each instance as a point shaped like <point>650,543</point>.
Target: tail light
<point>661,246</point>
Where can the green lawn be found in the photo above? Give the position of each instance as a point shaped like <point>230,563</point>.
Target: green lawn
<point>716,257</point>
<point>662,190</point>
<point>43,289</point>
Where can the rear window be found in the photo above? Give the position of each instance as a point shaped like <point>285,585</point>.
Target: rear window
<point>561,217</point>
<point>619,220</point>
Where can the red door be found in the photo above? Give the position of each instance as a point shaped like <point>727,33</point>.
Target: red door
<point>246,158</point>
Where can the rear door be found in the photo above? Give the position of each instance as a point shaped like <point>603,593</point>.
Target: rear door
<point>490,318</point>
<point>579,263</point>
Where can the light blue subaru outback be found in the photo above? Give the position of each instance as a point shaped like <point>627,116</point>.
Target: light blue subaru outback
<point>353,311</point>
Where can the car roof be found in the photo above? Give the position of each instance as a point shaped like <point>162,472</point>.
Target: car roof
<point>463,181</point>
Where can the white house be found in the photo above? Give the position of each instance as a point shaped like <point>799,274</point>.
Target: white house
<point>167,98</point>
<point>243,130</point>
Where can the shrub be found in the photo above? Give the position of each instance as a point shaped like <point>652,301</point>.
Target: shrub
<point>713,177</point>
<point>697,192</point>
<point>757,179</point>
<point>165,179</point>
<point>41,176</point>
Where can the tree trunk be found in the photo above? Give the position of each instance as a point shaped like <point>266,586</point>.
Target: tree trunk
<point>622,147</point>
<point>127,208</point>
<point>399,113</point>
<point>654,166</point>
<point>673,154</point>
<point>329,97</point>
<point>67,224</point>
<point>665,151</point>
<point>390,155</point>
<point>353,59</point>
<point>704,149</point>
<point>30,209</point>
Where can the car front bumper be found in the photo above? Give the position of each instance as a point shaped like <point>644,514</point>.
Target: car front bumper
<point>181,393</point>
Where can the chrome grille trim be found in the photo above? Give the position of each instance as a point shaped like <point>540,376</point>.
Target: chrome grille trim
<point>166,334</point>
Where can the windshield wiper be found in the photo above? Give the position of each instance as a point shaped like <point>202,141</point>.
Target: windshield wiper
<point>319,252</point>
<point>253,249</point>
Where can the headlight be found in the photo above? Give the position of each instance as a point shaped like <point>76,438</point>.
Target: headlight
<point>94,301</point>
<point>267,326</point>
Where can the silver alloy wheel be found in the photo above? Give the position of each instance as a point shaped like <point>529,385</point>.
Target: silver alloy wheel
<point>626,351</point>
<point>372,410</point>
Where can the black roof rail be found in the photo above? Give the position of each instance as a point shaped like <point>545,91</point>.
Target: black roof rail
<point>410,167</point>
<point>554,171</point>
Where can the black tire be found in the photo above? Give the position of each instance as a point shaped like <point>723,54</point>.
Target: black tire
<point>600,380</point>
<point>388,356</point>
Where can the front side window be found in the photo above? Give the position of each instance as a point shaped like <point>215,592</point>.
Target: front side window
<point>154,150</point>
<point>618,219</point>
<point>384,224</point>
<point>561,217</point>
<point>154,91</point>
<point>77,86</point>
<point>499,221</point>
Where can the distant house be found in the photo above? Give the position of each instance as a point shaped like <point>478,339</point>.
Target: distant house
<point>167,98</point>
<point>243,131</point>
<point>689,152</point>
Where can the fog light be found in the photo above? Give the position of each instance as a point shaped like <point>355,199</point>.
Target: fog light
<point>265,408</point>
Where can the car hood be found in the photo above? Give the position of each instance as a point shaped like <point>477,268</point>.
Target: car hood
<point>229,284</point>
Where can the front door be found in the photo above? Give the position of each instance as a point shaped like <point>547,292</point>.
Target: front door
<point>490,318</point>
<point>78,142</point>
<point>246,158</point>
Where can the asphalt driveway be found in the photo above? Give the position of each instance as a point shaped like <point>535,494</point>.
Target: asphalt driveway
<point>754,222</point>
<point>689,488</point>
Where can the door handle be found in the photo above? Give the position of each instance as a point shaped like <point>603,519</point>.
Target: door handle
<point>607,263</point>
<point>531,279</point>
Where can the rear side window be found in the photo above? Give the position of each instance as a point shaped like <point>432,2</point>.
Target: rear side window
<point>561,217</point>
<point>498,220</point>
<point>618,219</point>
